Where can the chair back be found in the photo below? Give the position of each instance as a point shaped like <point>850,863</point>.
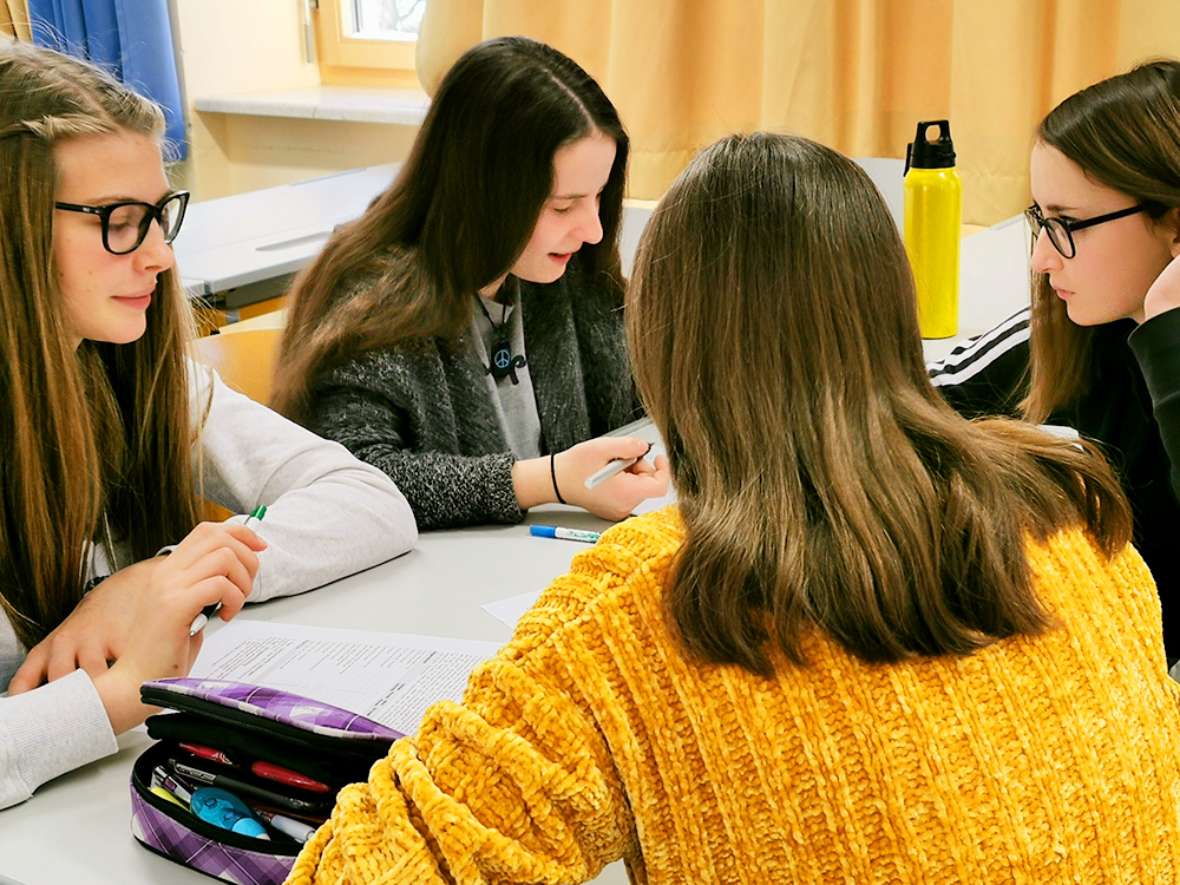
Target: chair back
<point>245,360</point>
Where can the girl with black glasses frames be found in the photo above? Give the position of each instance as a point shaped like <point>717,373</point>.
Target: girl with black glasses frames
<point>125,224</point>
<point>1099,347</point>
<point>111,437</point>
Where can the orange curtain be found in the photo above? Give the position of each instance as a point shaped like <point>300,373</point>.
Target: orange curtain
<point>14,19</point>
<point>855,74</point>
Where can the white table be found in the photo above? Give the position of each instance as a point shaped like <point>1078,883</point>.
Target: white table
<point>76,829</point>
<point>265,234</point>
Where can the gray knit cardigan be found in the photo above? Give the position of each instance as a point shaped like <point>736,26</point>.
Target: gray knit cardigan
<point>421,411</point>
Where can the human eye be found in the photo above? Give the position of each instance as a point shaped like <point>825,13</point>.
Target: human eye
<point>125,217</point>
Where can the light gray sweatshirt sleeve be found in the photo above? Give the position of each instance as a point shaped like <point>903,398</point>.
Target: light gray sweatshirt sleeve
<point>328,514</point>
<point>48,731</point>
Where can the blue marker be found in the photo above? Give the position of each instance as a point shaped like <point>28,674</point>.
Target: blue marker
<point>554,531</point>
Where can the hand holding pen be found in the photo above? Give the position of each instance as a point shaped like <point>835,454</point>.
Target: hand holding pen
<point>209,611</point>
<point>215,563</point>
<point>610,476</point>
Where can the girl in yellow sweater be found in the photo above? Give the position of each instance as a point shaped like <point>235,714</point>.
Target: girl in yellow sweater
<point>875,643</point>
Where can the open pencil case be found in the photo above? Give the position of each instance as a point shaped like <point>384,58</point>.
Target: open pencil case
<point>284,756</point>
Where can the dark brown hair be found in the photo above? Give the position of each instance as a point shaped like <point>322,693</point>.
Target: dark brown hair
<point>459,214</point>
<point>822,479</point>
<point>104,428</point>
<point>1125,133</point>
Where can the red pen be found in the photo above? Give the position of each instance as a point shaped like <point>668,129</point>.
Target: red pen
<point>267,770</point>
<point>273,772</point>
<point>208,753</point>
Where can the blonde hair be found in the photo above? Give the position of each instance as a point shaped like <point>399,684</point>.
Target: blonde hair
<point>822,480</point>
<point>101,429</point>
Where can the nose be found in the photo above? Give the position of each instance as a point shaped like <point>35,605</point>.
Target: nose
<point>153,254</point>
<point>591,225</point>
<point>1045,257</point>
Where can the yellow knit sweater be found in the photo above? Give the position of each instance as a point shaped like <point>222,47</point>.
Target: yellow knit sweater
<point>591,737</point>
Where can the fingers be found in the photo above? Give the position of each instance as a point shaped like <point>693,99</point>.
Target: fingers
<point>216,588</point>
<point>93,659</point>
<point>649,481</point>
<point>210,536</point>
<point>62,659</point>
<point>224,563</point>
<point>627,446</point>
<point>641,467</point>
<point>246,535</point>
<point>31,673</point>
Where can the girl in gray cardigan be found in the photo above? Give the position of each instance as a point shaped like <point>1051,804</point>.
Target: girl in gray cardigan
<point>465,334</point>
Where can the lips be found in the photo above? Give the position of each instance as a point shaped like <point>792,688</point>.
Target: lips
<point>139,302</point>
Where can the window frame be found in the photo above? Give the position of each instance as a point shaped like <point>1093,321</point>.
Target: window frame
<point>342,50</point>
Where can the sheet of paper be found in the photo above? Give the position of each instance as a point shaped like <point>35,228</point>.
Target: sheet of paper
<point>389,677</point>
<point>510,610</point>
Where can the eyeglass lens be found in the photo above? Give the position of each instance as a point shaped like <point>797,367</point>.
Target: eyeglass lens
<point>1058,235</point>
<point>128,225</point>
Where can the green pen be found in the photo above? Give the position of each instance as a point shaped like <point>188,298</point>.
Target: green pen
<point>209,611</point>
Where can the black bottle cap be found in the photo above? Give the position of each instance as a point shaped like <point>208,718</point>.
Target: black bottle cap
<point>924,154</point>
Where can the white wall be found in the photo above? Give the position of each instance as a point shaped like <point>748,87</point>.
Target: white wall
<point>232,46</point>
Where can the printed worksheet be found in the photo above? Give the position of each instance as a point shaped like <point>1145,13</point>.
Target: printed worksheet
<point>389,677</point>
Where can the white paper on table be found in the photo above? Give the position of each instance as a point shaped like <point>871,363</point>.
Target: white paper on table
<point>389,677</point>
<point>510,610</point>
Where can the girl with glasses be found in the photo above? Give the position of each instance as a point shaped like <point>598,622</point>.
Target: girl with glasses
<point>1099,347</point>
<point>872,644</point>
<point>111,436</point>
<point>465,334</point>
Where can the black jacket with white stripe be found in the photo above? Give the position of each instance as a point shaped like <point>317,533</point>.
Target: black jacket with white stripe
<point>1131,406</point>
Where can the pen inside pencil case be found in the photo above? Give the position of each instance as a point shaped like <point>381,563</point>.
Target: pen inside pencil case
<point>266,770</point>
<point>332,768</point>
<point>141,778</point>
<point>245,784</point>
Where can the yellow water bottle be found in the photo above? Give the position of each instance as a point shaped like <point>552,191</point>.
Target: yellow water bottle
<point>933,218</point>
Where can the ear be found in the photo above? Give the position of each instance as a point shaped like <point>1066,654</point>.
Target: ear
<point>1171,225</point>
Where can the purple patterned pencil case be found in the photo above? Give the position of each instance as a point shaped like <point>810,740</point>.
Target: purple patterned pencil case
<point>331,745</point>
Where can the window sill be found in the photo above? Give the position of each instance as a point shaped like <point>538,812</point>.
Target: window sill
<point>406,107</point>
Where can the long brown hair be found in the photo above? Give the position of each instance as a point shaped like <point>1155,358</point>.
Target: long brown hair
<point>1125,133</point>
<point>103,428</point>
<point>822,480</point>
<point>460,212</point>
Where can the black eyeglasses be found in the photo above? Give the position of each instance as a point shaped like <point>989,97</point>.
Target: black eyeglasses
<point>125,224</point>
<point>1061,231</point>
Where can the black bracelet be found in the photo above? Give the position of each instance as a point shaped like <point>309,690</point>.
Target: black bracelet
<point>553,476</point>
